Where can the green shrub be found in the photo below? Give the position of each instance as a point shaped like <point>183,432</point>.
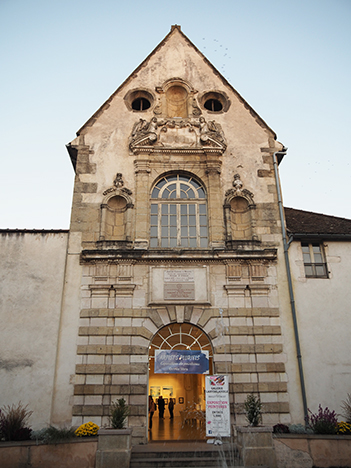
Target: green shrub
<point>299,429</point>
<point>14,422</point>
<point>52,434</point>
<point>253,409</point>
<point>119,413</point>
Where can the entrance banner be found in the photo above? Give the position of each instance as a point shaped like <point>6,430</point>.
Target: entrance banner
<point>217,406</point>
<point>169,361</point>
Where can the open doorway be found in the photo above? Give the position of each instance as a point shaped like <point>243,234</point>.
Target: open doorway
<point>185,390</point>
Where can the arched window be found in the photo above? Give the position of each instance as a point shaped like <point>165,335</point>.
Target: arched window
<point>178,213</point>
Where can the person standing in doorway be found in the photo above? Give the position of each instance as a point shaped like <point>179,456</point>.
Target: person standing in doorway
<point>171,407</point>
<point>152,408</point>
<point>161,407</point>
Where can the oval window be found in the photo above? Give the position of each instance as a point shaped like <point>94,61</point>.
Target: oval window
<point>213,105</point>
<point>140,104</point>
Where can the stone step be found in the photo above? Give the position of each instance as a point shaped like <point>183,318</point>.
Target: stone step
<point>200,457</point>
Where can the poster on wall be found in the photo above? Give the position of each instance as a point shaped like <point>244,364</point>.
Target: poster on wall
<point>217,406</point>
<point>169,361</point>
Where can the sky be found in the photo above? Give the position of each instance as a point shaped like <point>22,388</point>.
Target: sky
<point>60,61</point>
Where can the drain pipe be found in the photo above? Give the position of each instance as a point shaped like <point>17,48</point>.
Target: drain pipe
<point>288,272</point>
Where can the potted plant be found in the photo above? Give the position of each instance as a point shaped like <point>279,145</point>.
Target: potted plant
<point>114,444</point>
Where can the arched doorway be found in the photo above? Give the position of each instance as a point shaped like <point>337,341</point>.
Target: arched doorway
<point>186,389</point>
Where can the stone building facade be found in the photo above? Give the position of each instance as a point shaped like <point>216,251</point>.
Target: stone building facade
<point>175,237</point>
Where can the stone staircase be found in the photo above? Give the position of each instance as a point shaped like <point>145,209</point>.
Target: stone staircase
<point>185,455</point>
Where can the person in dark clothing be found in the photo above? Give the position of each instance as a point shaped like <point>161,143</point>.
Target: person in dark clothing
<point>152,409</point>
<point>161,407</point>
<point>171,407</point>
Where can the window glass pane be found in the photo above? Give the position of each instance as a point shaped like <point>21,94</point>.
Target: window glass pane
<point>154,220</point>
<point>183,187</point>
<point>173,194</point>
<point>154,209</point>
<point>171,178</point>
<point>203,242</point>
<point>192,242</point>
<point>184,242</point>
<point>308,270</point>
<point>184,231</point>
<point>202,209</point>
<point>164,231</point>
<point>153,231</point>
<point>201,193</point>
<point>183,194</point>
<point>305,247</point>
<point>318,258</point>
<point>184,220</point>
<point>192,231</point>
<point>173,221</point>
<point>192,209</point>
<point>183,209</point>
<point>320,270</point>
<point>192,220</point>
<point>191,193</point>
<point>161,183</point>
<point>173,232</point>
<point>173,242</point>
<point>203,231</point>
<point>173,209</point>
<point>164,242</point>
<point>306,258</point>
<point>164,209</point>
<point>155,193</point>
<point>195,184</point>
<point>184,178</point>
<point>164,220</point>
<point>153,242</point>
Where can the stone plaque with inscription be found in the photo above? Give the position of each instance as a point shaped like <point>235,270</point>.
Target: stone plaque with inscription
<point>173,291</point>
<point>179,284</point>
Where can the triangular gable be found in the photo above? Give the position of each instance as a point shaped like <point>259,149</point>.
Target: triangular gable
<point>176,29</point>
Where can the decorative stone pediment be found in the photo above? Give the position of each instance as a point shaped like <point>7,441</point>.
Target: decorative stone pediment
<point>177,133</point>
<point>239,191</point>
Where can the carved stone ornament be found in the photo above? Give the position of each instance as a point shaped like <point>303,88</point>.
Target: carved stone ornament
<point>238,191</point>
<point>177,132</point>
<point>118,186</point>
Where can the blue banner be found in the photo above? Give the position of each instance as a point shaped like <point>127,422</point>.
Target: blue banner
<point>169,361</point>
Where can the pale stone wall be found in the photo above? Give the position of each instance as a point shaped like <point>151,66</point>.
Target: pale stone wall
<point>324,320</point>
<point>31,282</point>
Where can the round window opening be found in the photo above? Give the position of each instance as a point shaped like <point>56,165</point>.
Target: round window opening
<point>213,105</point>
<point>140,104</point>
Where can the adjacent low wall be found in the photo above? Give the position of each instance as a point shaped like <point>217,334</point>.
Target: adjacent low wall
<point>307,451</point>
<point>77,454</point>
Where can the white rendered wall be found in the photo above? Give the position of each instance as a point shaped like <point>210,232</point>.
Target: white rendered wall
<point>31,280</point>
<point>324,320</point>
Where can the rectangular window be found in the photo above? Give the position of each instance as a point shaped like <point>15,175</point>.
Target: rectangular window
<point>314,261</point>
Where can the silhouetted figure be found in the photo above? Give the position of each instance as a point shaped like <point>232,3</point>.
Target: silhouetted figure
<point>152,409</point>
<point>171,407</point>
<point>161,407</point>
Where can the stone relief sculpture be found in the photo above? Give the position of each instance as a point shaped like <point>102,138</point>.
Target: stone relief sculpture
<point>204,133</point>
<point>118,186</point>
<point>238,191</point>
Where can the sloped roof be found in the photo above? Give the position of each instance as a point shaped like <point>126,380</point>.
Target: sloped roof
<point>305,224</point>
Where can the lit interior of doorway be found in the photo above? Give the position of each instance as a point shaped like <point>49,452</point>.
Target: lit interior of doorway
<point>187,390</point>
